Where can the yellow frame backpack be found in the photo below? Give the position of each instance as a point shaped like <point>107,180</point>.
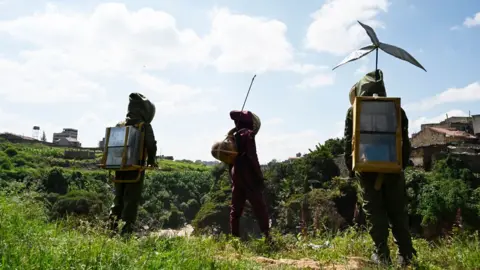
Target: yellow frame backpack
<point>125,151</point>
<point>377,135</point>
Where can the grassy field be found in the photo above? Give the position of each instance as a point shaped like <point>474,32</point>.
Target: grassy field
<point>29,241</point>
<point>41,156</point>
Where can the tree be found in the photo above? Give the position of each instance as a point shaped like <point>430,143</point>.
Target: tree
<point>44,137</point>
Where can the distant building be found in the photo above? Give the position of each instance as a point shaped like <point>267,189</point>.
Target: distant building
<point>476,124</point>
<point>433,135</point>
<point>66,133</point>
<point>101,144</point>
<point>68,142</point>
<point>454,135</point>
<point>68,137</point>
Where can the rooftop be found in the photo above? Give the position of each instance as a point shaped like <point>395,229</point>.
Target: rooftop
<point>453,132</point>
<point>70,139</point>
<point>458,119</point>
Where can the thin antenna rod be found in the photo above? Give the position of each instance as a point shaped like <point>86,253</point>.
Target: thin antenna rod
<point>376,65</point>
<point>249,91</point>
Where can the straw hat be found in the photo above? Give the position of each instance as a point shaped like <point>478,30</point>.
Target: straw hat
<point>256,123</point>
<point>353,94</point>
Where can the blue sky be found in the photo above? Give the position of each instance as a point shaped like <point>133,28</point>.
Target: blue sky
<point>66,64</point>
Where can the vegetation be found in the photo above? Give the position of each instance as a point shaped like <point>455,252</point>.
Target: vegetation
<point>53,212</point>
<point>29,241</point>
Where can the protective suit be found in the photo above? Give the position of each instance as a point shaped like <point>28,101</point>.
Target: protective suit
<point>247,177</point>
<point>388,204</point>
<point>128,195</point>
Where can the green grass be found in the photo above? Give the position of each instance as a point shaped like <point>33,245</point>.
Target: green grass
<point>29,241</point>
<point>170,165</point>
<point>41,156</point>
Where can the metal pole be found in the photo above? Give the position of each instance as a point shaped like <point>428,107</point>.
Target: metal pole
<point>249,91</point>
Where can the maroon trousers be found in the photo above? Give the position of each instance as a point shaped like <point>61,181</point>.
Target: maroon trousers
<point>243,190</point>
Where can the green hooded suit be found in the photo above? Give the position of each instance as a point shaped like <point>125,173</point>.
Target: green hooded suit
<point>388,204</point>
<point>127,195</point>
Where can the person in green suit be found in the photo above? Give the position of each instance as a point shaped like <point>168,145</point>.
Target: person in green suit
<point>388,203</point>
<point>128,195</point>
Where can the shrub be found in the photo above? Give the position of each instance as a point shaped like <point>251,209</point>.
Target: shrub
<point>5,162</point>
<point>78,203</point>
<point>55,182</point>
<point>11,152</point>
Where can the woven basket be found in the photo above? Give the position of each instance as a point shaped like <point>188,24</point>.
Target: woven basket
<point>225,151</point>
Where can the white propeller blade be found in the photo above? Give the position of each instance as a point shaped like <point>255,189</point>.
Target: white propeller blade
<point>357,55</point>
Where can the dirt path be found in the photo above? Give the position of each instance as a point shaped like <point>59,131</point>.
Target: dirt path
<point>352,263</point>
<point>185,232</point>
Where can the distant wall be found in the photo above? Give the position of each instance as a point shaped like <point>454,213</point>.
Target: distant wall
<point>476,123</point>
<point>422,156</point>
<point>428,137</point>
<point>76,154</point>
<point>472,161</point>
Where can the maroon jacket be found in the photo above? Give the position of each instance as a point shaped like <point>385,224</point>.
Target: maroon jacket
<point>246,171</point>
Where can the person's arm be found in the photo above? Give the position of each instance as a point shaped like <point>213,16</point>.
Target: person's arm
<point>150,144</point>
<point>348,140</point>
<point>251,152</point>
<point>406,147</point>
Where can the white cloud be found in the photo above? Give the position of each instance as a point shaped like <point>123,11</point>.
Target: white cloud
<point>73,50</point>
<point>335,29</point>
<point>174,98</point>
<point>469,93</point>
<point>251,44</point>
<point>318,80</point>
<point>30,82</point>
<point>110,39</point>
<point>414,126</point>
<point>85,63</point>
<point>471,22</point>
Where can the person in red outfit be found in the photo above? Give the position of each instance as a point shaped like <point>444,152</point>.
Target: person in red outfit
<point>247,177</point>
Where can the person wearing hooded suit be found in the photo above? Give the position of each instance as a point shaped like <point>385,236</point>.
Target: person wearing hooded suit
<point>127,195</point>
<point>246,174</point>
<point>388,204</point>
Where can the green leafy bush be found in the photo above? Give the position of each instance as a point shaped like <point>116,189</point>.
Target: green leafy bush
<point>79,203</point>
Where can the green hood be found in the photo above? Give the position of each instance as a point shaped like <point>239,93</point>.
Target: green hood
<point>368,85</point>
<point>140,108</point>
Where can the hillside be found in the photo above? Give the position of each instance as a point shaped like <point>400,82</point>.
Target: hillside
<point>53,212</point>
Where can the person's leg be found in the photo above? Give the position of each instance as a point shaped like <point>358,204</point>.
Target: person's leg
<point>395,201</point>
<point>376,216</point>
<point>236,209</point>
<point>259,208</point>
<point>133,194</point>
<point>117,206</point>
